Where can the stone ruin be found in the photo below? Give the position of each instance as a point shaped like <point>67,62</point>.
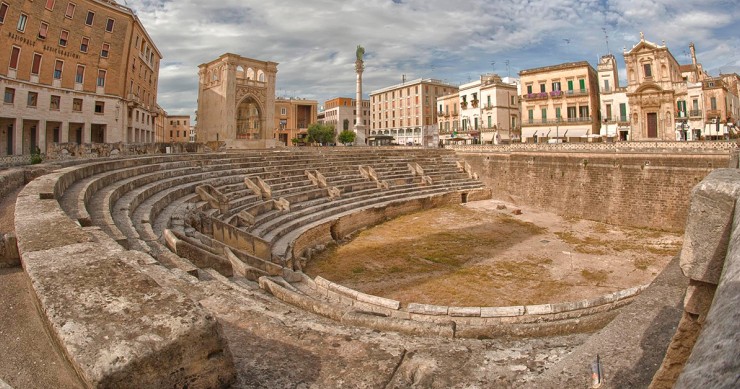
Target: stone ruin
<point>185,270</point>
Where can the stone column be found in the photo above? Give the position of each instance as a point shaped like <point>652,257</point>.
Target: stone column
<point>64,132</point>
<point>41,139</point>
<point>18,136</point>
<point>359,126</point>
<point>87,132</point>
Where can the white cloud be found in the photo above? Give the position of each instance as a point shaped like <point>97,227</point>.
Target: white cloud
<point>314,40</point>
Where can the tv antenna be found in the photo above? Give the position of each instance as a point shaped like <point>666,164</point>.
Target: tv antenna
<point>606,37</point>
<point>493,66</point>
<point>507,68</point>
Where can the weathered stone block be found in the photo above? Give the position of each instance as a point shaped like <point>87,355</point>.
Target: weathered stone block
<point>427,309</point>
<point>699,297</point>
<point>542,309</point>
<point>9,256</point>
<point>708,226</point>
<point>464,311</point>
<point>501,311</point>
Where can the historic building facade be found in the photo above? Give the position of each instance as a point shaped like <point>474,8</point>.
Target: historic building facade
<point>407,111</point>
<point>488,112</point>
<point>177,128</point>
<point>615,123</point>
<point>292,118</point>
<point>668,101</point>
<point>341,112</point>
<point>560,102</point>
<point>236,102</point>
<point>83,71</point>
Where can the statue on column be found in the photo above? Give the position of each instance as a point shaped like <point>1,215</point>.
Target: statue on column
<point>360,52</point>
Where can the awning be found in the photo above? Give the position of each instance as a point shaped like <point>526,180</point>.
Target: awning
<point>710,129</point>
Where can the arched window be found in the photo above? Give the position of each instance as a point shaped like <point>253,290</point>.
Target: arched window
<point>240,72</point>
<point>250,74</point>
<point>260,76</point>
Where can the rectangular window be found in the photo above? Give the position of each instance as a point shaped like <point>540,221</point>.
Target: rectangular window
<point>489,100</point>
<point>99,107</point>
<point>623,112</point>
<point>77,105</point>
<point>584,112</point>
<point>606,86</point>
<point>582,84</point>
<point>3,12</point>
<point>101,77</point>
<point>571,113</point>
<point>109,25</point>
<point>104,50</point>
<point>15,52</point>
<point>63,36</point>
<point>43,30</point>
<point>33,99</point>
<point>713,103</point>
<point>80,75</point>
<point>50,5</point>
<point>36,64</point>
<point>544,114</point>
<point>22,23</point>
<point>648,70</point>
<point>84,44</point>
<point>489,121</point>
<point>608,111</point>
<point>54,102</point>
<point>70,12</point>
<point>9,96</point>
<point>558,114</point>
<point>90,18</point>
<point>529,89</point>
<point>530,116</point>
<point>556,85</point>
<point>58,66</point>
<point>570,85</point>
<point>542,88</point>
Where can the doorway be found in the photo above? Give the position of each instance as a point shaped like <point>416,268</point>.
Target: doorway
<point>652,125</point>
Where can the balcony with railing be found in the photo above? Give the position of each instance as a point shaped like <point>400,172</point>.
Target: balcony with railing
<point>535,96</point>
<point>250,82</point>
<point>576,92</point>
<point>616,119</point>
<point>695,113</point>
<point>557,121</point>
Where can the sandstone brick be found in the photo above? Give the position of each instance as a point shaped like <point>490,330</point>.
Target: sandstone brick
<point>708,226</point>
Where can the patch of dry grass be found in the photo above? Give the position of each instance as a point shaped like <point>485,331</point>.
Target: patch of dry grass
<point>597,277</point>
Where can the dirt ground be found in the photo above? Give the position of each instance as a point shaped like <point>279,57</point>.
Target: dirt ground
<point>483,254</point>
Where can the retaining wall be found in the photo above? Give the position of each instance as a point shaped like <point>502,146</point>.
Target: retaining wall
<point>711,260</point>
<point>637,190</point>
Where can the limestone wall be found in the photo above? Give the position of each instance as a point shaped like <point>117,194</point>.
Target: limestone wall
<point>711,260</point>
<point>638,190</point>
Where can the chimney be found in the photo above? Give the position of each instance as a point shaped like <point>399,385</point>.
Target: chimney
<point>693,53</point>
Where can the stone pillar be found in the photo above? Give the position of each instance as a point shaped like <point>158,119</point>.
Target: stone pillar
<point>87,132</point>
<point>18,136</point>
<point>359,126</point>
<point>64,132</point>
<point>41,139</point>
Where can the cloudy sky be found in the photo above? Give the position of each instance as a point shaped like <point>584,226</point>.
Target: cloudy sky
<point>314,41</point>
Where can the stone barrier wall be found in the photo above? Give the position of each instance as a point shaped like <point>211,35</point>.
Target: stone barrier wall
<point>721,147</point>
<point>86,286</point>
<point>637,190</point>
<point>711,260</point>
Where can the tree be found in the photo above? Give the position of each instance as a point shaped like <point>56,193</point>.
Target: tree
<point>320,133</point>
<point>347,137</point>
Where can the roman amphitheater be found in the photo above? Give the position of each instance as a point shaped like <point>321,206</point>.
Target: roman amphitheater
<point>216,269</point>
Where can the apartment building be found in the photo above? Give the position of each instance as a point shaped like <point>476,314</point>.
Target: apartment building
<point>488,112</point>
<point>83,71</point>
<point>292,118</point>
<point>177,128</point>
<point>614,104</point>
<point>406,111</point>
<point>560,102</point>
<point>341,112</point>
